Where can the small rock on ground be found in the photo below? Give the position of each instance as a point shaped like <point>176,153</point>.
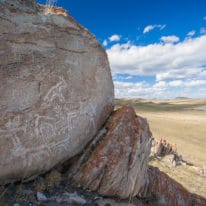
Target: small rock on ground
<point>41,196</point>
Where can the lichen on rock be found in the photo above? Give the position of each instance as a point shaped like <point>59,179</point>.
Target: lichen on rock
<point>116,161</point>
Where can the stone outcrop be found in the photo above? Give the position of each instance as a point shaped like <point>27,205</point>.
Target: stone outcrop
<point>166,153</point>
<point>56,89</point>
<point>162,190</point>
<point>162,147</point>
<point>116,161</point>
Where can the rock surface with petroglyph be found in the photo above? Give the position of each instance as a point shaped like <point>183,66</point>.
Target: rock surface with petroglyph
<point>55,85</point>
<point>115,163</point>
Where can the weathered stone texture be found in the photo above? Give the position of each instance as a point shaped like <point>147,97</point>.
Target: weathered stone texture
<point>116,162</point>
<point>55,88</point>
<point>163,190</point>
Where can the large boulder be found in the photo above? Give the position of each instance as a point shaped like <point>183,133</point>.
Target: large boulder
<point>115,163</point>
<point>56,89</point>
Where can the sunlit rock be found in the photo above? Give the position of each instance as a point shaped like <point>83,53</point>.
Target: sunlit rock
<point>56,89</point>
<point>115,163</point>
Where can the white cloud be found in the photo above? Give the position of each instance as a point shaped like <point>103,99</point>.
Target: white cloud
<point>203,30</point>
<point>187,83</point>
<point>191,33</point>
<point>169,39</point>
<point>158,59</point>
<point>195,83</point>
<point>176,83</point>
<point>151,27</point>
<point>114,37</point>
<point>140,89</point>
<point>148,28</point>
<point>187,72</point>
<point>179,69</point>
<point>105,43</point>
<point>162,89</point>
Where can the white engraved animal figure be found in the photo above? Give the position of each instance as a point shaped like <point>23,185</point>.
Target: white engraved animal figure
<point>56,92</point>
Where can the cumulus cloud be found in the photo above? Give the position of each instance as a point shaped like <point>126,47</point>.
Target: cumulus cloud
<point>187,83</point>
<point>156,59</point>
<point>176,83</point>
<point>151,27</point>
<point>185,72</point>
<point>114,37</point>
<point>105,43</point>
<point>191,33</point>
<point>140,89</point>
<point>169,39</point>
<point>179,69</point>
<point>130,90</point>
<point>162,89</point>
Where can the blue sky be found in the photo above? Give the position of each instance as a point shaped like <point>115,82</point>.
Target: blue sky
<point>156,48</point>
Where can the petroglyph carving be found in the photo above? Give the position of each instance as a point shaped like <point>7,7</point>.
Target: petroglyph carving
<point>44,127</point>
<point>56,92</point>
<point>70,119</point>
<point>54,87</point>
<point>13,123</point>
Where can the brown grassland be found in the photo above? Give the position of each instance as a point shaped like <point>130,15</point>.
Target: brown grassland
<point>181,121</point>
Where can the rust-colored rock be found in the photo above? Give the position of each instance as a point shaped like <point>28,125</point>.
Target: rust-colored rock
<point>162,190</point>
<point>116,162</point>
<point>162,147</point>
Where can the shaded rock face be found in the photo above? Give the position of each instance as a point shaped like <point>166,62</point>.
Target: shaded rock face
<point>116,161</point>
<point>163,190</point>
<point>55,85</point>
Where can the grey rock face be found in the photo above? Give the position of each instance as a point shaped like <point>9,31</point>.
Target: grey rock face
<point>55,88</point>
<point>26,5</point>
